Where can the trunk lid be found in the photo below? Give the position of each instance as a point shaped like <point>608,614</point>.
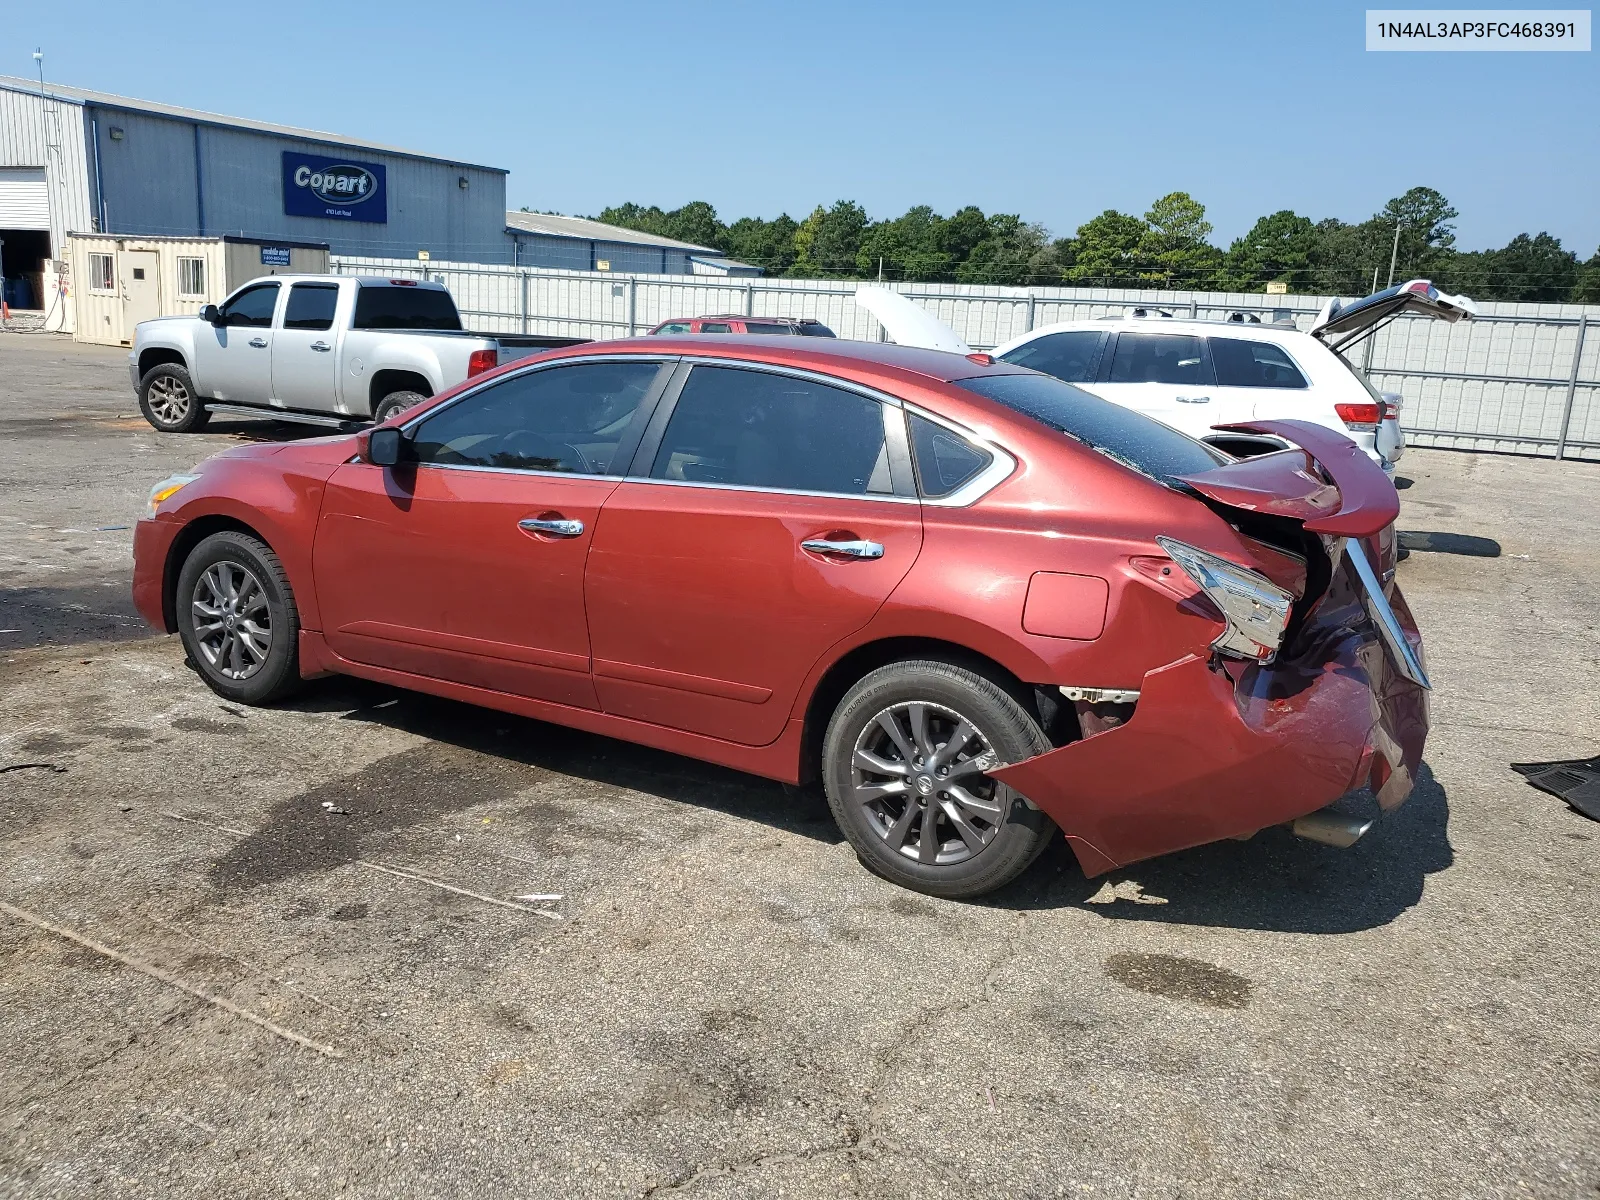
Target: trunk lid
<point>1324,481</point>
<point>907,324</point>
<point>1340,325</point>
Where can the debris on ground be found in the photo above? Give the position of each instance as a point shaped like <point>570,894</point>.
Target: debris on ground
<point>335,809</point>
<point>1575,780</point>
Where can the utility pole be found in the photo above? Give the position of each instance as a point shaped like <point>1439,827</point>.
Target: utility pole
<point>1393,254</point>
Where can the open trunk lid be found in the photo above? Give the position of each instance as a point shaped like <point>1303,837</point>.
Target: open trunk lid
<point>1324,481</point>
<point>1340,324</point>
<point>907,324</point>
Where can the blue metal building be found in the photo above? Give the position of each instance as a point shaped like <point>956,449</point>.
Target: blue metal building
<point>110,164</point>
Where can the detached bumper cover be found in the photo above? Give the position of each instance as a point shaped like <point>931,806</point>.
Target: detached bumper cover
<point>1212,753</point>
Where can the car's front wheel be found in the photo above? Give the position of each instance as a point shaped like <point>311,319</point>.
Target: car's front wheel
<point>168,400</point>
<point>238,620</point>
<point>904,763</point>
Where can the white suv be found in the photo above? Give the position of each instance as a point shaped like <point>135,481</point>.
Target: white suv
<point>1196,375</point>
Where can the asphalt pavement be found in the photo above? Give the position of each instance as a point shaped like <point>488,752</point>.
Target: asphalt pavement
<point>370,943</point>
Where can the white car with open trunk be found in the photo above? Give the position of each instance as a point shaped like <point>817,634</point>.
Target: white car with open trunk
<point>1201,376</point>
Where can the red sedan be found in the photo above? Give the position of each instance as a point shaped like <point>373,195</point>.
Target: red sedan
<point>979,603</point>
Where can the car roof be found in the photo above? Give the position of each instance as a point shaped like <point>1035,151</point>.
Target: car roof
<point>743,317</point>
<point>1199,328</point>
<point>839,356</point>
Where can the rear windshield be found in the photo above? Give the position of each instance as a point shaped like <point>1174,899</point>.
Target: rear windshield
<point>1131,438</point>
<point>405,308</point>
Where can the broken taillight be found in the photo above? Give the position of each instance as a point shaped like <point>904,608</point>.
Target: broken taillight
<point>1254,609</point>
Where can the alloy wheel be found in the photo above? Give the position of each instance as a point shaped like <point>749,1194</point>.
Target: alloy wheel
<point>232,620</point>
<point>169,399</point>
<point>918,772</point>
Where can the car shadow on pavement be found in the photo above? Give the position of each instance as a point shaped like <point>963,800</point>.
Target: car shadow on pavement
<point>473,756</point>
<point>1275,881</point>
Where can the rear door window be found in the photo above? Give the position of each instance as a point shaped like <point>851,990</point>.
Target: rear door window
<point>568,419</point>
<point>1241,363</point>
<point>767,327</point>
<point>1130,438</point>
<point>715,327</point>
<point>252,308</point>
<point>311,306</point>
<point>405,308</point>
<point>1072,356</point>
<point>761,430</point>
<point>1158,358</point>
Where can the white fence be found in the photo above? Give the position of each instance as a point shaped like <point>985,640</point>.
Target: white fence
<point>1522,377</point>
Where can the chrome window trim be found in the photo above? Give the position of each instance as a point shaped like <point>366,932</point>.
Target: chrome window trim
<point>748,364</point>
<point>880,497</point>
<point>659,360</point>
<point>1000,467</point>
<point>422,466</point>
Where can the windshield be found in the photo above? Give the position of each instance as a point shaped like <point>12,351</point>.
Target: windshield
<point>405,308</point>
<point>1131,438</point>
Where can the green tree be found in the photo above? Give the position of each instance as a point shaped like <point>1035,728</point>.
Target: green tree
<point>1529,269</point>
<point>828,241</point>
<point>1587,289</point>
<point>1173,249</point>
<point>765,244</point>
<point>909,247</point>
<point>1105,252</point>
<point>1278,248</point>
<point>1011,253</point>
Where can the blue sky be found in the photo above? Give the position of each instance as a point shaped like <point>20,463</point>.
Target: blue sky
<point>1052,110</point>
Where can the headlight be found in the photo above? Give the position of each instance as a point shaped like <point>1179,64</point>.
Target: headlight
<point>167,488</point>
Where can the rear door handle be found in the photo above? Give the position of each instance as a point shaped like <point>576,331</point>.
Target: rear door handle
<point>850,549</point>
<point>556,527</point>
<point>322,346</point>
<point>259,343</point>
<point>1193,399</point>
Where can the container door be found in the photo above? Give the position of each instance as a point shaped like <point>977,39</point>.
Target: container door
<point>141,287</point>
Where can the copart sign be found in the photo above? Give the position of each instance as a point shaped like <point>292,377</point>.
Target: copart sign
<point>336,188</point>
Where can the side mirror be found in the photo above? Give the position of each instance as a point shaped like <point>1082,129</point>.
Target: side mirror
<point>384,447</point>
<point>211,314</point>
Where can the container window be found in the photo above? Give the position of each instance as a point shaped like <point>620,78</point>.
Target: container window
<point>101,271</point>
<point>191,277</point>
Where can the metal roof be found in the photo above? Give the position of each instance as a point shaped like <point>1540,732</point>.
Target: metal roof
<point>76,95</point>
<point>552,225</point>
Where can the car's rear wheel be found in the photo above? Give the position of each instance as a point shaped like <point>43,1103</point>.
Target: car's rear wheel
<point>168,400</point>
<point>395,402</point>
<point>238,620</point>
<point>904,763</point>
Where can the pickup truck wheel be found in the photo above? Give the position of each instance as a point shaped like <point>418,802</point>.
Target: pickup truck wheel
<point>903,762</point>
<point>238,620</point>
<point>169,402</point>
<point>395,402</point>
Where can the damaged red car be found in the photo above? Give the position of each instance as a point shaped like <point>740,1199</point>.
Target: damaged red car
<point>976,602</point>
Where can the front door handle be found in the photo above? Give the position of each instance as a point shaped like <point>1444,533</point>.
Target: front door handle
<point>1193,399</point>
<point>556,527</point>
<point>259,343</point>
<point>323,347</point>
<point>850,549</point>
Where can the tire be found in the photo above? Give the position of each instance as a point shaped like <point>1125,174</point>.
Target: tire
<point>169,402</point>
<point>1009,833</point>
<point>395,402</point>
<point>261,662</point>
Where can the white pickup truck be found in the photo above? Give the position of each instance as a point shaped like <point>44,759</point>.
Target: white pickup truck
<point>331,350</point>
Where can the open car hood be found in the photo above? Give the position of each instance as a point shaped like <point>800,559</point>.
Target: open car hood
<point>908,324</point>
<point>1325,481</point>
<point>1338,323</point>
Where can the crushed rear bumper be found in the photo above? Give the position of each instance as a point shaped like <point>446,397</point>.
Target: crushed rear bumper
<point>1218,749</point>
